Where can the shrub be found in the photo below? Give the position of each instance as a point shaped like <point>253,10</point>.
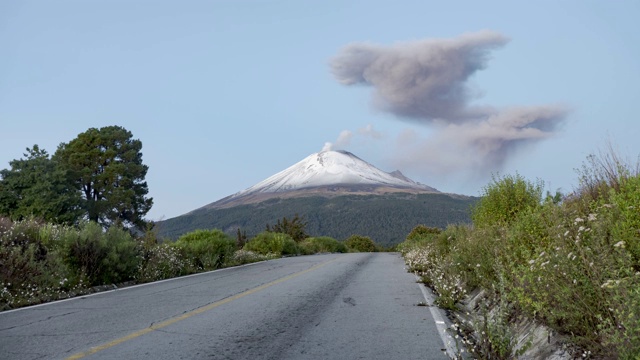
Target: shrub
<point>84,251</point>
<point>102,257</point>
<point>322,244</point>
<point>572,265</point>
<point>241,257</point>
<point>422,232</point>
<point>294,228</point>
<point>627,225</point>
<point>207,249</point>
<point>123,256</point>
<point>162,261</point>
<point>272,243</point>
<point>30,273</point>
<point>359,243</point>
<point>504,198</point>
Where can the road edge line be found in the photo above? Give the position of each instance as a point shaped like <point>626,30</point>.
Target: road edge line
<point>439,320</point>
<point>82,296</point>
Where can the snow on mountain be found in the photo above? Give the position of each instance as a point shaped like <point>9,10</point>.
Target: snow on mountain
<point>328,168</point>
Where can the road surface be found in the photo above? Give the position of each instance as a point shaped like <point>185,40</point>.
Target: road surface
<point>333,306</point>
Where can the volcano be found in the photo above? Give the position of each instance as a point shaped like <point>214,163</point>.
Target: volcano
<point>328,174</point>
<point>337,194</point>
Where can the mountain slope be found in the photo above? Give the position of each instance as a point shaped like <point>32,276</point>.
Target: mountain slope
<point>338,194</point>
<point>327,173</point>
<point>386,218</point>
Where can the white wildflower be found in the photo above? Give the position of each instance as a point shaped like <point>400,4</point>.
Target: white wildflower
<point>619,244</point>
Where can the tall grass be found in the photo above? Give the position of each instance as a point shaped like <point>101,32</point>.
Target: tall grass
<point>573,266</point>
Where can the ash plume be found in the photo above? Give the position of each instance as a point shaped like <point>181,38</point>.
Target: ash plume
<point>426,81</point>
<point>345,137</point>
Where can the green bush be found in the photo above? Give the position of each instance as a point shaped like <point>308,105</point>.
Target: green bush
<point>101,257</point>
<point>421,232</point>
<point>241,257</point>
<point>627,226</point>
<point>294,228</point>
<point>163,261</point>
<point>30,273</point>
<point>123,256</point>
<point>272,243</point>
<point>322,244</point>
<point>359,243</point>
<point>84,251</point>
<point>504,198</point>
<point>207,249</point>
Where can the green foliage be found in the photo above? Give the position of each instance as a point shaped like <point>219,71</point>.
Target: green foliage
<point>30,272</point>
<point>322,244</point>
<point>572,265</point>
<point>106,165</point>
<point>123,256</point>
<point>359,243</point>
<point>207,249</point>
<point>626,228</point>
<point>241,238</point>
<point>101,257</point>
<point>294,228</point>
<point>85,251</point>
<point>272,243</point>
<point>423,231</point>
<point>504,198</point>
<point>496,339</point>
<point>162,261</point>
<point>36,187</point>
<point>241,257</point>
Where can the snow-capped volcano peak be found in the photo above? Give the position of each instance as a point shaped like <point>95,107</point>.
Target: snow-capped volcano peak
<point>328,168</point>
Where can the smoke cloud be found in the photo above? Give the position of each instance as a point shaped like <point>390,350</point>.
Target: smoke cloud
<point>426,81</point>
<point>345,137</point>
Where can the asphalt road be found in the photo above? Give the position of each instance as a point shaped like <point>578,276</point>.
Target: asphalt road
<point>335,306</point>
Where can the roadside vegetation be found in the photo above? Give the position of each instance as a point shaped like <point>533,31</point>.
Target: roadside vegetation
<point>41,261</point>
<point>569,262</point>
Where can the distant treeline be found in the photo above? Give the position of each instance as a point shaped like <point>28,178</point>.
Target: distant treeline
<point>386,219</point>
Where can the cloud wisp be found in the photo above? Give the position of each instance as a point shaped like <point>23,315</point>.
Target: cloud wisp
<point>426,81</point>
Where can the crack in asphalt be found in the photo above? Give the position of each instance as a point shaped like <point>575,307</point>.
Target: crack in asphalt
<point>21,354</point>
<point>39,321</point>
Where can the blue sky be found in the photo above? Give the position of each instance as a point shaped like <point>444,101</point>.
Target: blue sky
<point>223,94</point>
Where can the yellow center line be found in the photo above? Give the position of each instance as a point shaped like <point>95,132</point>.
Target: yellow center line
<point>187,315</point>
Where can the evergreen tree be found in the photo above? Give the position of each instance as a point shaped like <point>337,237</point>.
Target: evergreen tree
<point>294,228</point>
<point>36,186</point>
<point>107,166</point>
